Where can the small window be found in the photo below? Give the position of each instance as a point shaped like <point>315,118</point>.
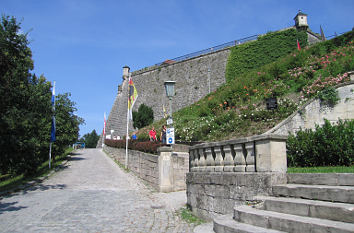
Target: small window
<point>302,17</point>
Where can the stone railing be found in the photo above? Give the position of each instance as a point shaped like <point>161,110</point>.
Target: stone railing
<point>262,153</point>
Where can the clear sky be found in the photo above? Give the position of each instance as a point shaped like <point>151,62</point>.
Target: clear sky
<point>83,44</point>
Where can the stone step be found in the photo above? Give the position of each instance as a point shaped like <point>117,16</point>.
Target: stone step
<point>343,212</point>
<point>226,224</point>
<point>288,222</point>
<point>335,179</point>
<point>343,194</point>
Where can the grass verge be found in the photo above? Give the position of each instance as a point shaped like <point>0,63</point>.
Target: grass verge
<point>11,182</point>
<point>187,215</point>
<point>321,169</point>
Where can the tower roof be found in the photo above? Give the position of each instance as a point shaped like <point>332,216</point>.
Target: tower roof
<point>300,14</point>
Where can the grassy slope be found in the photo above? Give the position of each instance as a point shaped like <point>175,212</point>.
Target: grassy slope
<point>238,108</point>
<point>9,182</point>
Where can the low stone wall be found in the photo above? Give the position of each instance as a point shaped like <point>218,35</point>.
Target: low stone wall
<point>213,193</point>
<point>165,172</point>
<point>227,173</point>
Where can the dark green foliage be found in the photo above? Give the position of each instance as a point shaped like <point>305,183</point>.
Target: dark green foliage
<point>147,146</point>
<point>90,139</point>
<point>329,96</point>
<point>143,117</point>
<point>25,106</point>
<point>67,123</point>
<point>265,50</point>
<point>329,145</point>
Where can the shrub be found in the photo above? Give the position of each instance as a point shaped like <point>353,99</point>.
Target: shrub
<point>143,117</point>
<point>329,145</point>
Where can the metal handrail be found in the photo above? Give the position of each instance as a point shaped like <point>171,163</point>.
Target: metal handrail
<point>209,50</point>
<point>220,47</point>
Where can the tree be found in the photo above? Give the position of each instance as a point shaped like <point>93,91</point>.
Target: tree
<point>25,107</point>
<point>143,117</point>
<point>67,123</point>
<point>90,139</point>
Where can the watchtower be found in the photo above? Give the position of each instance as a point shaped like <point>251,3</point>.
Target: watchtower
<point>301,21</point>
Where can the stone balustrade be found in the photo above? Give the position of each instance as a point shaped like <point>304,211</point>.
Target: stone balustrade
<point>261,153</point>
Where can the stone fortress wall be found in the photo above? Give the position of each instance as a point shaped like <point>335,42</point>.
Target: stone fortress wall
<point>195,77</point>
<point>192,83</point>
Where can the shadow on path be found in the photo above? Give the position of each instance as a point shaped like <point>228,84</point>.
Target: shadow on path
<point>76,158</point>
<point>10,206</point>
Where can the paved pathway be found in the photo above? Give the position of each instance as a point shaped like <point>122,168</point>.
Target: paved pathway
<point>92,194</point>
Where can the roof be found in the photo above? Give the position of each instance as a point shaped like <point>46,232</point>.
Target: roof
<point>300,13</point>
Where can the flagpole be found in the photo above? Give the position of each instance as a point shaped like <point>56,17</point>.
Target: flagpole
<point>126,138</point>
<point>52,133</point>
<point>50,153</point>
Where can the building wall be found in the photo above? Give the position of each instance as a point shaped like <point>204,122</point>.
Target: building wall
<point>156,169</point>
<point>192,83</point>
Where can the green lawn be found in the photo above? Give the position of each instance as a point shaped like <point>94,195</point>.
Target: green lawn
<point>8,182</point>
<point>321,169</point>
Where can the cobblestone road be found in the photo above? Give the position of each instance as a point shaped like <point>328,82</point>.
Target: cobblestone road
<point>92,194</point>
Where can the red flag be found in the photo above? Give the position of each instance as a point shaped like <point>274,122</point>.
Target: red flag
<point>298,45</point>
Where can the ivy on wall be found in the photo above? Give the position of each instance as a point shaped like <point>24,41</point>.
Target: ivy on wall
<point>264,50</point>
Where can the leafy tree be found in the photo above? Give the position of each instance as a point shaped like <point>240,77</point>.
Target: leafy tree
<point>90,139</point>
<point>25,107</point>
<point>67,123</point>
<point>143,117</point>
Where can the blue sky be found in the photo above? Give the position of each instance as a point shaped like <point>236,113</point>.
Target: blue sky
<point>83,44</point>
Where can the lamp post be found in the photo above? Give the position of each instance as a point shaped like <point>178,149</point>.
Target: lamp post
<point>170,92</point>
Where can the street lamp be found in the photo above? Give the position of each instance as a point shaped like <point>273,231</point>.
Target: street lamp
<point>170,92</point>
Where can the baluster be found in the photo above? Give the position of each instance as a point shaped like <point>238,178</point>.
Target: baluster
<point>219,164</point>
<point>209,160</point>
<point>250,161</point>
<point>228,160</point>
<point>201,162</point>
<point>240,162</point>
<point>192,159</point>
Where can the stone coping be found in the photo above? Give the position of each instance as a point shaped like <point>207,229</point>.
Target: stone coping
<point>262,137</point>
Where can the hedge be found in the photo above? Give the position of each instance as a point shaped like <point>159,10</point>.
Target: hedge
<point>144,146</point>
<point>329,145</point>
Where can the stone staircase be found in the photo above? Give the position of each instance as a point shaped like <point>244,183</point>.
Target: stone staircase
<point>307,203</point>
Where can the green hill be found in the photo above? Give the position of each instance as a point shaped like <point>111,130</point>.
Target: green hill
<point>259,70</point>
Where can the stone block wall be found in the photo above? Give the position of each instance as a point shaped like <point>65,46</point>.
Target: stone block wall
<point>144,165</point>
<point>213,193</point>
<point>165,173</point>
<point>192,83</point>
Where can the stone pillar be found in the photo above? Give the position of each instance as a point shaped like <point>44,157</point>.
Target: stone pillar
<point>250,159</point>
<point>228,160</point>
<point>240,162</point>
<point>201,162</point>
<point>209,160</point>
<point>271,153</point>
<point>165,169</point>
<point>219,163</point>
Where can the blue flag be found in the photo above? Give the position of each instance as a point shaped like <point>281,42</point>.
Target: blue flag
<point>52,132</point>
